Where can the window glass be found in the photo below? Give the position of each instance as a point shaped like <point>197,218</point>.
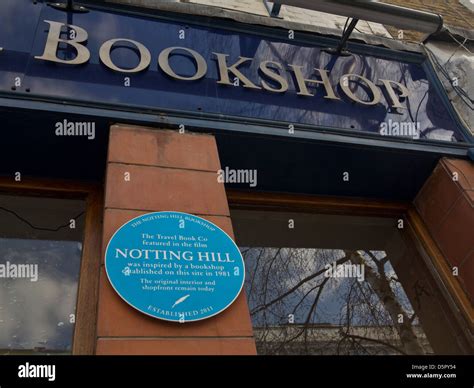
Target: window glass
<point>333,284</point>
<point>40,256</point>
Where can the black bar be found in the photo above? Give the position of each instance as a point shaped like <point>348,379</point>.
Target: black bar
<point>316,371</point>
<point>275,10</point>
<point>346,35</point>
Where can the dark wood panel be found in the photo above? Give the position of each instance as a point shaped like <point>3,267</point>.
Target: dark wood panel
<point>88,293</point>
<point>87,297</point>
<point>334,205</point>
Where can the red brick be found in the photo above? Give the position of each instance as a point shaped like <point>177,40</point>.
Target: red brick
<point>169,172</point>
<point>115,218</point>
<point>437,196</point>
<point>232,322</point>
<point>466,275</point>
<point>152,188</point>
<point>455,236</point>
<point>453,12</point>
<point>165,148</point>
<point>470,194</point>
<point>191,346</point>
<point>465,170</point>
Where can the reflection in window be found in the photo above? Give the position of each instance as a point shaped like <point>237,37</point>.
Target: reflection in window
<point>40,255</point>
<point>297,309</point>
<point>334,285</point>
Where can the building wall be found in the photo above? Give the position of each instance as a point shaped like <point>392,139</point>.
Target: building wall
<point>453,11</point>
<point>172,171</point>
<point>255,12</point>
<point>162,170</point>
<point>298,15</point>
<point>451,55</point>
<point>185,165</point>
<point>446,204</point>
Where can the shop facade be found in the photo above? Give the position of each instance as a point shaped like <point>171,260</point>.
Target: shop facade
<point>305,158</point>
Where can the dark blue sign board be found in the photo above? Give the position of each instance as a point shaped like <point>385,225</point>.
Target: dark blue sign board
<point>425,110</point>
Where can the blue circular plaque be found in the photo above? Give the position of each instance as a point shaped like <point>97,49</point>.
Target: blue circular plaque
<point>174,266</point>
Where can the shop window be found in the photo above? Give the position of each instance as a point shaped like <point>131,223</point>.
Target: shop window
<point>40,258</point>
<point>337,284</point>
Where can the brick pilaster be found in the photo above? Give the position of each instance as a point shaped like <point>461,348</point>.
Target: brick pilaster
<point>446,205</point>
<point>174,172</point>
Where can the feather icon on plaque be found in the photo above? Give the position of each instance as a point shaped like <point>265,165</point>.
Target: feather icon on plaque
<point>180,300</point>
